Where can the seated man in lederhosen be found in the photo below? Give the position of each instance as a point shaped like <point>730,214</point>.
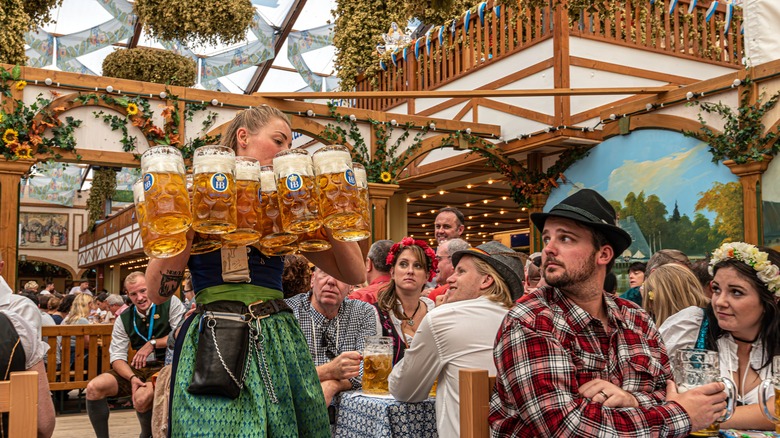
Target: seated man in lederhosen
<point>145,327</point>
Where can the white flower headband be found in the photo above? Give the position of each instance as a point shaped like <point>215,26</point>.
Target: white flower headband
<point>768,273</point>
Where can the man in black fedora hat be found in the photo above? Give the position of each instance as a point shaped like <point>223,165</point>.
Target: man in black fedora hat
<point>461,333</point>
<point>572,360</point>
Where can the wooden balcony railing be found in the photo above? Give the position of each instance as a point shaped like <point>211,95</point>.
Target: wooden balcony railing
<point>454,54</point>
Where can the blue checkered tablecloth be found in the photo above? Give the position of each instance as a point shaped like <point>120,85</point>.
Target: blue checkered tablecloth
<point>360,416</point>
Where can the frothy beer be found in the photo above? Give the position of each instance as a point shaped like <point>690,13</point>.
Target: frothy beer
<point>247,203</point>
<point>270,221</point>
<point>155,245</point>
<point>214,190</point>
<point>165,191</point>
<point>362,228</point>
<point>339,203</point>
<point>297,193</point>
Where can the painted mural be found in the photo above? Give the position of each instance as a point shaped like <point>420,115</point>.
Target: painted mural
<point>43,231</point>
<point>667,191</point>
<point>770,196</point>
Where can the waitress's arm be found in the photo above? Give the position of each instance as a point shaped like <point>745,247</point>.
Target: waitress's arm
<point>164,276</point>
<point>344,261</point>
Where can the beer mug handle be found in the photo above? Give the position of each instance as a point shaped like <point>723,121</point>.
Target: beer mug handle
<point>731,390</point>
<point>762,401</point>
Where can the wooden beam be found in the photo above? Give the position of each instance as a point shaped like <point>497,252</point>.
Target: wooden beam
<point>139,26</point>
<point>468,93</point>
<point>284,31</point>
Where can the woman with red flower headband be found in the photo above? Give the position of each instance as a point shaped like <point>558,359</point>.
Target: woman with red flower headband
<point>401,305</point>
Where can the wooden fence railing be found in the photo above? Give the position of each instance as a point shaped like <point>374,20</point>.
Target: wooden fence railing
<point>454,50</point>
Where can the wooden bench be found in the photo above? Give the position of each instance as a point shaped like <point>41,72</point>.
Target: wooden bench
<point>475,389</point>
<point>77,376</point>
<point>19,397</point>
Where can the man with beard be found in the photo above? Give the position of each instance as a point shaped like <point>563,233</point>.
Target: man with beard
<point>572,360</point>
<point>145,327</point>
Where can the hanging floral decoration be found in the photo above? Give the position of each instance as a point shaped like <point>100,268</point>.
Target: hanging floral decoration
<point>23,128</point>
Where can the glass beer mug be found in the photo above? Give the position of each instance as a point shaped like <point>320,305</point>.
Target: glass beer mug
<point>377,364</point>
<point>165,191</point>
<point>695,367</point>
<point>339,202</point>
<point>772,387</point>
<point>155,245</point>
<point>214,190</point>
<point>298,201</point>
<point>202,243</point>
<point>247,203</point>
<point>362,228</point>
<point>275,240</point>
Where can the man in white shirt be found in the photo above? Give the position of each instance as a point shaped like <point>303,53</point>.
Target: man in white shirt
<point>19,304</point>
<point>460,333</point>
<point>145,327</point>
<point>81,288</point>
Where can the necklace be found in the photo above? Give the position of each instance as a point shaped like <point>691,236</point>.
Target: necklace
<point>744,340</point>
<point>410,320</point>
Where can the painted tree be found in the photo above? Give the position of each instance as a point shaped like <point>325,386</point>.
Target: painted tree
<point>725,200</point>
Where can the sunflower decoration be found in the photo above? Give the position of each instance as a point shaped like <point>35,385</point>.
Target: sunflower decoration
<point>20,85</point>
<point>386,177</point>
<point>132,109</point>
<point>10,136</point>
<point>23,152</point>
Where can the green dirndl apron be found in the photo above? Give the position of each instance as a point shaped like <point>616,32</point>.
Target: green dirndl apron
<point>300,407</point>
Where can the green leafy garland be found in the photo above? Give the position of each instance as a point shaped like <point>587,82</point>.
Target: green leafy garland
<point>103,187</point>
<point>211,22</point>
<point>151,65</point>
<point>22,129</point>
<point>743,137</point>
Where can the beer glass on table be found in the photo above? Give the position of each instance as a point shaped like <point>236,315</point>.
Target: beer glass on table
<point>298,199</point>
<point>214,190</point>
<point>155,245</point>
<point>167,203</point>
<point>362,228</point>
<point>247,203</point>
<point>274,240</point>
<point>201,243</point>
<point>695,367</point>
<point>772,387</point>
<point>377,364</point>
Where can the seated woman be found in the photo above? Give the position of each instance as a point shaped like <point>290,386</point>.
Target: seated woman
<point>400,304</point>
<point>742,324</point>
<point>671,289</point>
<point>78,314</point>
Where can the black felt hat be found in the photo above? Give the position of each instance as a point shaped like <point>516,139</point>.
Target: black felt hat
<point>592,210</point>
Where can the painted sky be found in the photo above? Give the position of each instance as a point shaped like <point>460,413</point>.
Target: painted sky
<point>664,163</point>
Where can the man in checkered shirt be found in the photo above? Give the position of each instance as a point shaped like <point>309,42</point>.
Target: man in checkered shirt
<point>335,329</point>
<point>573,361</point>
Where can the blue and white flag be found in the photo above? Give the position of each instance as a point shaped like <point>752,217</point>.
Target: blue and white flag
<point>405,53</point>
<point>692,6</point>
<point>382,64</point>
<point>452,28</point>
<point>466,19</point>
<point>729,14</point>
<point>672,5</point>
<point>711,10</point>
<point>428,41</point>
<point>305,41</point>
<point>441,35</point>
<point>417,49</point>
<point>394,57</point>
<point>481,11</point>
<point>497,11</point>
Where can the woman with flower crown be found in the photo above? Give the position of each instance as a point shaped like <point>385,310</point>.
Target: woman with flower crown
<point>400,305</point>
<point>742,323</point>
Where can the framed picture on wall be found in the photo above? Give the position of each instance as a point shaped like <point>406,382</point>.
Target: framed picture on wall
<point>43,231</point>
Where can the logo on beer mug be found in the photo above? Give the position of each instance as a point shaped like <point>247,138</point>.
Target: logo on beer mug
<point>219,182</point>
<point>294,182</point>
<point>148,181</point>
<point>349,175</point>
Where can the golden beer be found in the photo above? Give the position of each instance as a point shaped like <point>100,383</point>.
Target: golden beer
<point>298,199</point>
<point>712,430</point>
<point>338,189</point>
<point>214,190</point>
<point>270,220</point>
<point>314,241</point>
<point>376,369</point>
<point>362,229</point>
<point>168,205</point>
<point>247,203</point>
<point>203,243</point>
<point>155,245</point>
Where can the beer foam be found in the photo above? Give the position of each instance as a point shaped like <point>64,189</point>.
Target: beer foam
<point>360,176</point>
<point>332,161</point>
<point>267,181</point>
<point>138,191</point>
<point>248,170</point>
<point>162,163</point>
<point>213,164</point>
<point>293,163</point>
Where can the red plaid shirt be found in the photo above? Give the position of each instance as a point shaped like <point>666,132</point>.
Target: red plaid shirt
<point>548,346</point>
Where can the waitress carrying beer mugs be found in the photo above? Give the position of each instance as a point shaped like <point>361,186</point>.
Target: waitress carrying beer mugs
<point>742,323</point>
<point>272,387</point>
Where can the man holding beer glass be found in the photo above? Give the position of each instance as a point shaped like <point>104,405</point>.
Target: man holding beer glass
<point>241,289</point>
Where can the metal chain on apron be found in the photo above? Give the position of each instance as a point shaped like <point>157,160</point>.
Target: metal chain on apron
<point>255,332</point>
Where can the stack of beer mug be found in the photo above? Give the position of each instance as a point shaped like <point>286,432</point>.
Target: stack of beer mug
<point>234,201</point>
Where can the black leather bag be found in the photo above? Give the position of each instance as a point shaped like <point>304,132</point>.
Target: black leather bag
<point>220,362</point>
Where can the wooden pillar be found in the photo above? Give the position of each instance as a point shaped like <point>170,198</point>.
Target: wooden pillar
<point>10,176</point>
<point>378,195</point>
<point>561,63</point>
<point>750,177</point>
<point>535,235</point>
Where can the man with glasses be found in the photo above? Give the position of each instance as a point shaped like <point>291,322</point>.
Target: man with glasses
<point>444,258</point>
<point>335,329</point>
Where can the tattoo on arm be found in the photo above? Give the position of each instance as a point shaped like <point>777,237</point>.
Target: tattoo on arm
<point>170,282</point>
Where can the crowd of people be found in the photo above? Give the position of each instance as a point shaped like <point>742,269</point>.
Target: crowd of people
<point>269,356</point>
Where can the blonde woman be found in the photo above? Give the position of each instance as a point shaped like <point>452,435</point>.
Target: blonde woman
<point>79,314</point>
<point>671,288</point>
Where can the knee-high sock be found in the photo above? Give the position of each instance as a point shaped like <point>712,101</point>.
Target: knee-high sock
<point>146,423</point>
<point>97,410</point>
